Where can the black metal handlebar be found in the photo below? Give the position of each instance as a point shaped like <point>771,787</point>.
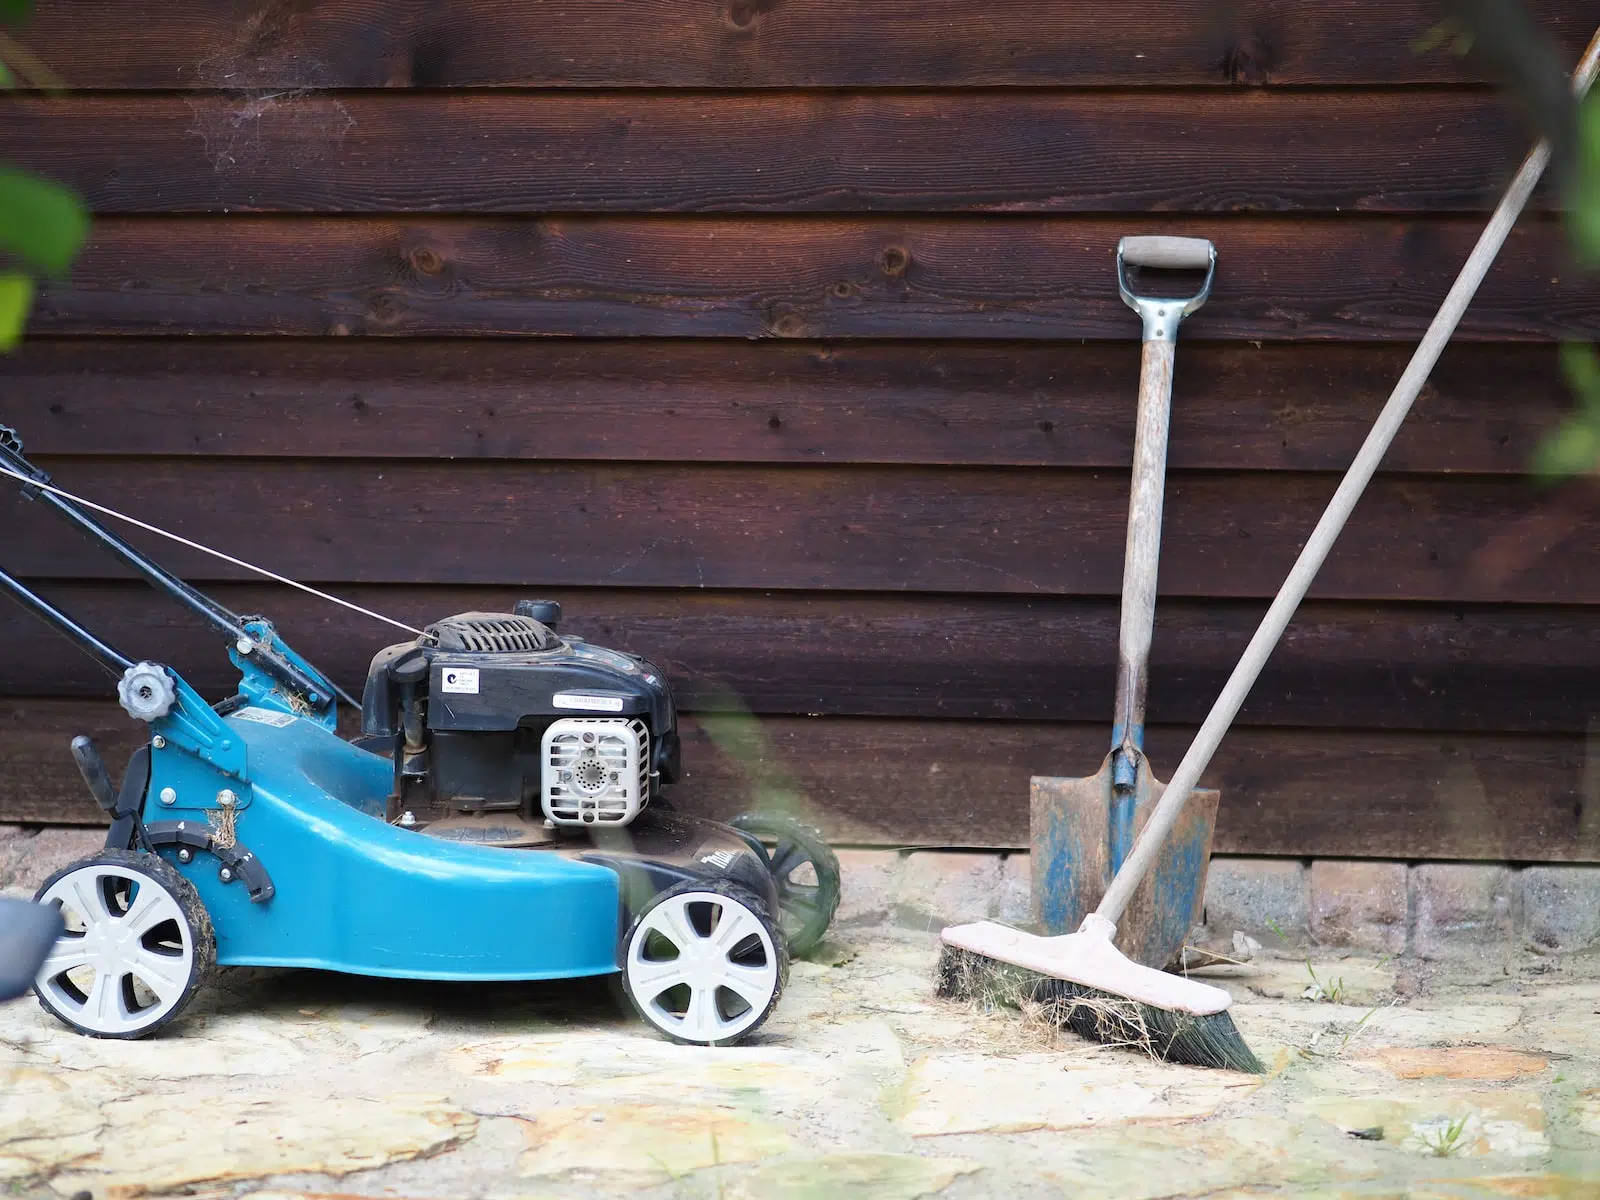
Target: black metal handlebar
<point>305,684</point>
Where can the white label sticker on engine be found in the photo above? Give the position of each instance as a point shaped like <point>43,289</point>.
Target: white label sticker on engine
<point>587,703</point>
<point>463,681</point>
<point>265,716</point>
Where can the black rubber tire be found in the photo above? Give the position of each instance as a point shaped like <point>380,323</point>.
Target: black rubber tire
<point>806,910</point>
<point>750,900</point>
<point>165,876</point>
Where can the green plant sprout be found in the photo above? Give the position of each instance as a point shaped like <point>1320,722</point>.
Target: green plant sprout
<point>1361,1024</point>
<point>1333,991</point>
<point>1344,1043</point>
<point>1443,1140</point>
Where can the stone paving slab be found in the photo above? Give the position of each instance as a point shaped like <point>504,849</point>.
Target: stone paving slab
<point>286,1084</point>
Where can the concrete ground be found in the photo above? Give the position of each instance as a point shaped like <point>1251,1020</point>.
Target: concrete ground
<point>1388,1079</point>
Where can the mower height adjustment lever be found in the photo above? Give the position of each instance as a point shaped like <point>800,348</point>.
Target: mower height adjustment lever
<point>93,769</point>
<point>238,862</point>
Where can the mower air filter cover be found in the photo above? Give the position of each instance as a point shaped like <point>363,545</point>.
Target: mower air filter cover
<point>596,770</point>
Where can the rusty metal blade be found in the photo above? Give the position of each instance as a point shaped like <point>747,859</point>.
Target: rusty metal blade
<point>1070,821</point>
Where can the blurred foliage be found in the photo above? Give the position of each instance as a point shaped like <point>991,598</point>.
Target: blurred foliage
<point>737,734</point>
<point>1509,43</point>
<point>1583,197</point>
<point>1574,448</point>
<point>1448,35</point>
<point>1505,37</point>
<point>42,225</point>
<point>40,222</point>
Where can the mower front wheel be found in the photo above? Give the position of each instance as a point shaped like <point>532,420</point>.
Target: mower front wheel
<point>137,945</point>
<point>704,963</point>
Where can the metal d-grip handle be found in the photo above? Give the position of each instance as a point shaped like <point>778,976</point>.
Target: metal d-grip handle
<point>1161,314</point>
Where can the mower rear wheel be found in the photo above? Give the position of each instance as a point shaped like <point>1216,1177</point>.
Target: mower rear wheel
<point>704,963</point>
<point>138,944</point>
<point>806,872</point>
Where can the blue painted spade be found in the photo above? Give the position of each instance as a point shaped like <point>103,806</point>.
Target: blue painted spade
<point>1081,830</point>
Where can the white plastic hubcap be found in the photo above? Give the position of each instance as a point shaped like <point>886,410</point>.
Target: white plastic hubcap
<point>127,955</point>
<point>702,967</point>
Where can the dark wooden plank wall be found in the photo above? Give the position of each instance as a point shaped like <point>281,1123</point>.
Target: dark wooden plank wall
<point>780,342</point>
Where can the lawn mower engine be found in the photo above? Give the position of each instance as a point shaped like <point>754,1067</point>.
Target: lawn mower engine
<point>497,713</point>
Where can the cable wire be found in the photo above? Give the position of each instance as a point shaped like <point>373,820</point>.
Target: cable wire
<point>227,558</point>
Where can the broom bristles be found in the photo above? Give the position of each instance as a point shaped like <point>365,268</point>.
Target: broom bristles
<point>1176,1037</point>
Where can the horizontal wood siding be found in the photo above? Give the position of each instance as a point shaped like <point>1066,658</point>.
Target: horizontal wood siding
<point>1018,531</point>
<point>781,344</point>
<point>1467,668</point>
<point>1097,152</point>
<point>1377,279</point>
<point>1242,407</point>
<point>965,783</point>
<point>233,44</point>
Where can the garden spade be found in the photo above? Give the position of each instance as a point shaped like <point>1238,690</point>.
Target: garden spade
<point>1082,829</point>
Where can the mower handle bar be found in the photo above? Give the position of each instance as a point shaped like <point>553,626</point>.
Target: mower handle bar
<point>220,618</point>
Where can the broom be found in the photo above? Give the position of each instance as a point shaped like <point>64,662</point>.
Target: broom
<point>1080,979</point>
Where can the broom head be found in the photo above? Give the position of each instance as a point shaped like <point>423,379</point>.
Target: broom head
<point>1087,985</point>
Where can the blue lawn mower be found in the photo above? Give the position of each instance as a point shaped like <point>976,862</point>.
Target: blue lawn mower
<point>500,817</point>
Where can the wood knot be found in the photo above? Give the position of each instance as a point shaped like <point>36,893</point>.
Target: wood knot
<point>743,13</point>
<point>789,325</point>
<point>1250,60</point>
<point>844,289</point>
<point>426,261</point>
<point>384,308</point>
<point>894,260</point>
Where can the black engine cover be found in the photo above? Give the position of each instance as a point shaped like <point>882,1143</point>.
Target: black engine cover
<point>490,683</point>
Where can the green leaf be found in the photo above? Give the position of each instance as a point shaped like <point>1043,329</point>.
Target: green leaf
<point>1434,36</point>
<point>1447,33</point>
<point>14,10</point>
<point>16,296</point>
<point>1573,449</point>
<point>7,79</point>
<point>1583,204</point>
<point>1581,365</point>
<point>40,222</point>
